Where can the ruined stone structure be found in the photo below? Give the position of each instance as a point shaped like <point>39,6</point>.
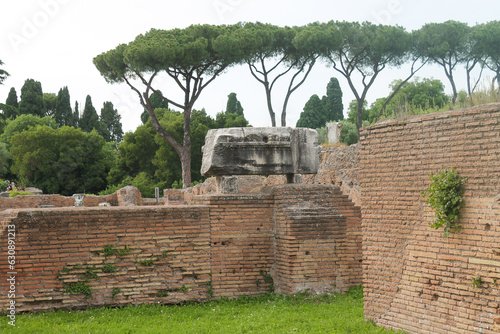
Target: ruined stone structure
<point>123,197</point>
<point>288,237</point>
<point>293,236</point>
<point>260,151</point>
<point>333,131</point>
<point>414,278</point>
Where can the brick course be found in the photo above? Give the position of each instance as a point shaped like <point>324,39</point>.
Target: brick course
<point>414,278</point>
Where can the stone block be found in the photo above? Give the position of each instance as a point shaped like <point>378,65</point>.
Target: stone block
<point>260,151</point>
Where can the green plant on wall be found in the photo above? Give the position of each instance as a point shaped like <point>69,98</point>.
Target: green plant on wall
<point>477,282</point>
<point>445,196</point>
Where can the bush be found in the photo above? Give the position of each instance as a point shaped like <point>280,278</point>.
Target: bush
<point>444,195</point>
<point>18,193</point>
<point>3,185</point>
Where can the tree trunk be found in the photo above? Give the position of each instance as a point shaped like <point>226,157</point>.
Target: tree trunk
<point>359,112</point>
<point>270,105</point>
<point>186,150</point>
<point>185,158</point>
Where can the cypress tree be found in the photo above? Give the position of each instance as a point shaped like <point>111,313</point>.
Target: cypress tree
<point>111,120</point>
<point>12,98</point>
<point>334,108</point>
<point>76,116</point>
<point>90,119</point>
<point>32,98</point>
<point>11,109</point>
<point>63,114</point>
<point>233,106</point>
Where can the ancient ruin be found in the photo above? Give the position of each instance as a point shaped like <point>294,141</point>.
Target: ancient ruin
<point>261,151</point>
<point>289,237</point>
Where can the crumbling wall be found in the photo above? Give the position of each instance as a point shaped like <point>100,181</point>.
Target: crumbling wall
<point>126,196</point>
<point>58,201</point>
<point>317,239</point>
<point>225,245</point>
<point>416,279</point>
<point>80,257</point>
<point>339,165</point>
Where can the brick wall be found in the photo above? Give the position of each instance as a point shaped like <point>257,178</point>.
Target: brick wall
<point>414,278</point>
<point>126,196</point>
<point>224,246</point>
<point>168,257</point>
<point>58,201</point>
<point>241,241</point>
<point>318,239</point>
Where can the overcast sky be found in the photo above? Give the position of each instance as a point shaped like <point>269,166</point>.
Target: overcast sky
<point>54,42</point>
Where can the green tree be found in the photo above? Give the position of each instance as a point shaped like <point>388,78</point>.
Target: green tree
<point>156,101</point>
<point>11,107</point>
<point>12,98</point>
<point>190,57</point>
<point>348,134</point>
<point>233,117</point>
<point>22,123</point>
<point>352,113</point>
<point>4,160</point>
<point>49,103</point>
<point>3,74</point>
<point>89,119</point>
<point>76,116</point>
<point>412,97</point>
<point>112,123</point>
<point>135,155</point>
<point>228,120</point>
<point>63,160</point>
<point>487,44</point>
<point>366,50</point>
<point>63,114</point>
<point>273,52</point>
<point>32,99</point>
<point>314,115</point>
<point>233,106</point>
<point>446,45</point>
<point>144,156</point>
<point>332,101</point>
<point>417,61</point>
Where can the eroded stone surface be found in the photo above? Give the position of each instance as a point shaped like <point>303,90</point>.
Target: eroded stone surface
<point>260,151</point>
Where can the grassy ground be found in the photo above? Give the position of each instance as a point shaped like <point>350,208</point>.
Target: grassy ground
<point>265,314</point>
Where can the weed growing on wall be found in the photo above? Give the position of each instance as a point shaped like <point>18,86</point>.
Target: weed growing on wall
<point>445,196</point>
<point>109,250</point>
<point>268,279</point>
<point>115,291</point>
<point>477,282</point>
<point>78,288</point>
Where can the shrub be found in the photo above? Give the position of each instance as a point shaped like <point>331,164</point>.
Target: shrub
<point>444,195</point>
<point>20,193</point>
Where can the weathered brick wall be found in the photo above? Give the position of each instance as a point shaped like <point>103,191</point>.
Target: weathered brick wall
<point>318,239</point>
<point>224,246</point>
<point>414,278</point>
<point>126,196</point>
<point>241,242</point>
<point>58,201</point>
<point>168,259</point>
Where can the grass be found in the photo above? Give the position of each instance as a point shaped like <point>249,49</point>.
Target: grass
<point>269,313</point>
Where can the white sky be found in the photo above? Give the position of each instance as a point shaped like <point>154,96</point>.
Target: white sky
<point>54,42</point>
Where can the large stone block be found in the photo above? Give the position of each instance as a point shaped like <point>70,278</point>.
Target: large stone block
<point>260,151</point>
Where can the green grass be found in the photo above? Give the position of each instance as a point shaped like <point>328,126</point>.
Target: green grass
<point>269,313</point>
